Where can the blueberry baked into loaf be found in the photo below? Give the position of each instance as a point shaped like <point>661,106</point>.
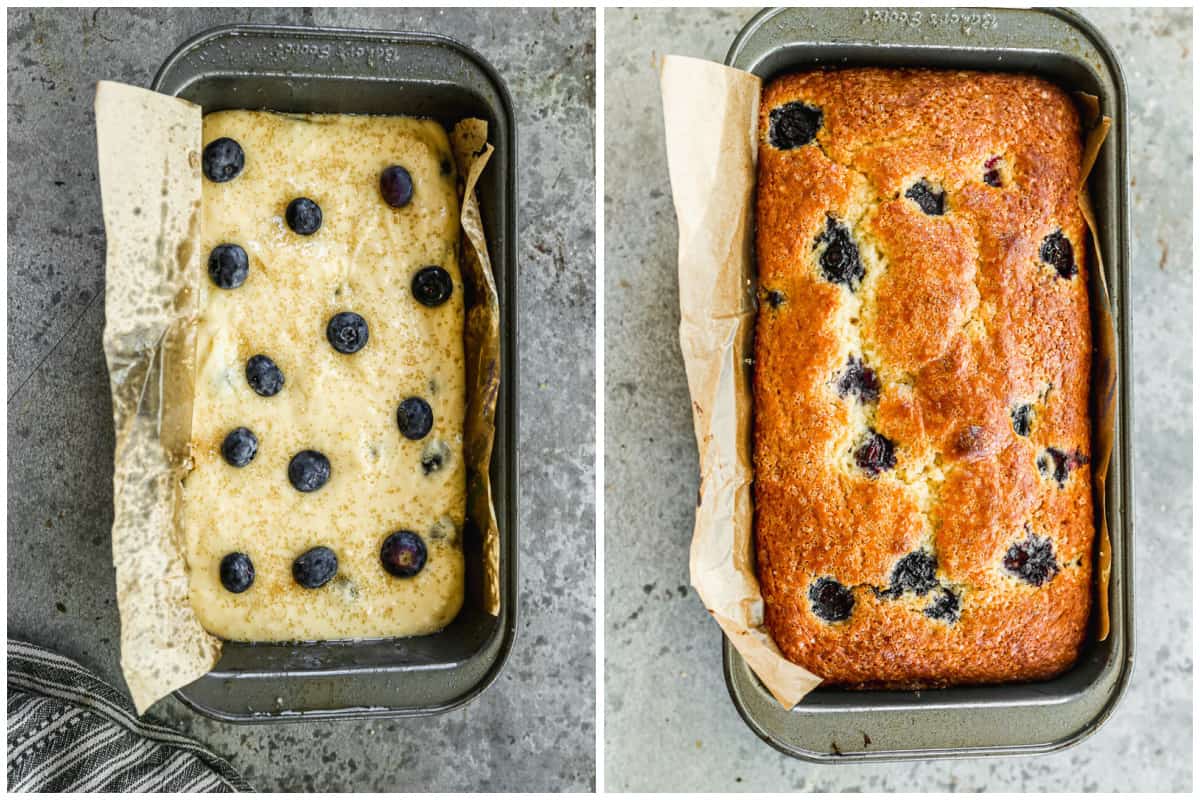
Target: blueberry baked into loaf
<point>327,494</point>
<point>923,505</point>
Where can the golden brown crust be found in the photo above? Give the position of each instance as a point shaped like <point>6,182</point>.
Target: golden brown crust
<point>962,321</point>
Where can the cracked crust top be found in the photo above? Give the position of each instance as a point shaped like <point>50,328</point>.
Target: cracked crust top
<point>921,377</point>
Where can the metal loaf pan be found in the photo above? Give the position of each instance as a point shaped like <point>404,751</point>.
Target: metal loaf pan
<point>831,724</point>
<point>374,72</point>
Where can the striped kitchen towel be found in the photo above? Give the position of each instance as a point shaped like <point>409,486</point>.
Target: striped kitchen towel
<point>69,731</point>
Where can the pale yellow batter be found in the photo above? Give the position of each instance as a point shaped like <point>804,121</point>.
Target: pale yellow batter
<point>362,259</point>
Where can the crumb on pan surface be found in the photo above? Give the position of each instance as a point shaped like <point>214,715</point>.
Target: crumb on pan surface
<point>922,355</point>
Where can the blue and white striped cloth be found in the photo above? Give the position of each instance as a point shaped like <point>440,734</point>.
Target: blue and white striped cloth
<point>69,731</point>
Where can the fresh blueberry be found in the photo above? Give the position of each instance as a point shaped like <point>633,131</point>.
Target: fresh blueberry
<point>308,470</point>
<point>396,186</point>
<point>1058,253</point>
<point>858,379</point>
<point>240,447</point>
<point>223,160</point>
<point>793,125</point>
<point>946,606</point>
<point>840,261</point>
<point>303,216</point>
<point>1032,559</point>
<point>432,286</point>
<point>434,457</point>
<point>830,600</point>
<point>415,418</point>
<point>403,554</point>
<point>916,572</point>
<point>875,454</point>
<point>228,266</point>
<point>775,298</point>
<point>315,568</point>
<point>931,202</point>
<point>237,572</point>
<point>347,332</point>
<point>264,377</point>
<point>1022,419</point>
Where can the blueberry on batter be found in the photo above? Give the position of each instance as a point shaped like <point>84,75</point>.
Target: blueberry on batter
<point>793,125</point>
<point>240,447</point>
<point>315,568</point>
<point>308,470</point>
<point>396,186</point>
<point>830,600</point>
<point>858,379</point>
<point>264,377</point>
<point>237,572</point>
<point>1032,560</point>
<point>303,216</point>
<point>415,418</point>
<point>432,286</point>
<point>840,261</point>
<point>347,332</point>
<point>1058,253</point>
<point>403,554</point>
<point>223,160</point>
<point>228,266</point>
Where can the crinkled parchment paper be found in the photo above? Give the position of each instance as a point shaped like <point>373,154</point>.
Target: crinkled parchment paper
<point>149,156</point>
<point>711,116</point>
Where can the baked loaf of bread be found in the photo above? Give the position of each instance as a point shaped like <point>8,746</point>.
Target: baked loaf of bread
<point>924,508</point>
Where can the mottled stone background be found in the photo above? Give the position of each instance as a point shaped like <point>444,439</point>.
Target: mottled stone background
<point>669,723</point>
<point>533,729</point>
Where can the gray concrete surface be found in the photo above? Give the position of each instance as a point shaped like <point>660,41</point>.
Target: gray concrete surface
<point>669,723</point>
<point>535,728</point>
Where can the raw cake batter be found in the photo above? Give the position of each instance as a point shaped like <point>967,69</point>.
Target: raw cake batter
<point>328,491</point>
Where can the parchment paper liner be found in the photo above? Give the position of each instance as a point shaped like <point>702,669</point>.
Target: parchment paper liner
<point>711,119</point>
<point>149,158</point>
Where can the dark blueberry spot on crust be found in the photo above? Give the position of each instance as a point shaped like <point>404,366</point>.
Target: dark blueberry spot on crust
<point>929,201</point>
<point>1058,253</point>
<point>264,377</point>
<point>775,298</point>
<point>434,457</point>
<point>991,176</point>
<point>946,606</point>
<point>916,572</point>
<point>432,286</point>
<point>875,454</point>
<point>228,266</point>
<point>396,186</point>
<point>240,447</point>
<point>858,379</point>
<point>308,470</point>
<point>403,554</point>
<point>223,160</point>
<point>840,261</point>
<point>303,216</point>
<point>1056,464</point>
<point>1032,559</point>
<point>347,332</point>
<point>830,600</point>
<point>315,568</point>
<point>237,572</point>
<point>793,125</point>
<point>415,418</point>
<point>1022,418</point>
